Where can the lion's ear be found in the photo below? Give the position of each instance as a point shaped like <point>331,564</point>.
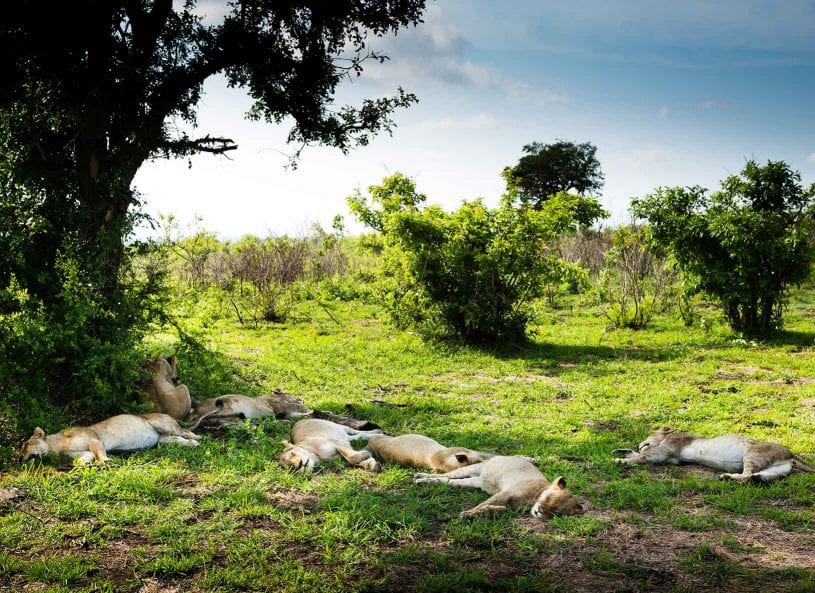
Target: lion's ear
<point>39,433</point>
<point>461,457</point>
<point>560,482</point>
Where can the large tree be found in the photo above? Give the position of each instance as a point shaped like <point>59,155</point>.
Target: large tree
<point>546,169</point>
<point>93,88</point>
<point>90,90</point>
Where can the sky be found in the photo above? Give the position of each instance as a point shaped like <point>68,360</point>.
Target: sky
<point>671,93</point>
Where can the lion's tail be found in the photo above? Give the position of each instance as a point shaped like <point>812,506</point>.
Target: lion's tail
<point>801,466</point>
<point>192,426</point>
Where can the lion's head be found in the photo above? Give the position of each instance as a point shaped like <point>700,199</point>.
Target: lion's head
<point>36,446</point>
<point>166,368</point>
<point>296,458</point>
<point>455,457</point>
<point>654,439</point>
<point>556,500</point>
<point>285,405</point>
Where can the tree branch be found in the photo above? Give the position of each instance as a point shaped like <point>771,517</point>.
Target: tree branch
<point>186,146</point>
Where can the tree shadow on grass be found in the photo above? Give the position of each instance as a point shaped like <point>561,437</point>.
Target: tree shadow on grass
<point>564,357</point>
<point>799,339</point>
<point>591,565</point>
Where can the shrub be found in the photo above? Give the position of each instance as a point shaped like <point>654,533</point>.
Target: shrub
<point>259,275</point>
<point>261,279</point>
<point>586,248</point>
<point>561,276</point>
<point>744,245</point>
<point>471,273</point>
<point>636,281</point>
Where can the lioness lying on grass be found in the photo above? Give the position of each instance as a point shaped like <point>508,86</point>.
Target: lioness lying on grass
<point>234,408</point>
<point>316,440</point>
<point>415,450</point>
<point>159,388</point>
<point>740,458</point>
<point>512,481</point>
<point>125,432</point>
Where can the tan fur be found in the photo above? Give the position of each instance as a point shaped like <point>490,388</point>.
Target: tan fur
<point>415,450</point>
<point>125,432</point>
<point>168,398</point>
<point>313,441</point>
<point>738,457</point>
<point>234,408</point>
<point>512,481</point>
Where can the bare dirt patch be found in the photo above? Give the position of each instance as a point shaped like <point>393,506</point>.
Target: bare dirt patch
<point>12,493</point>
<point>294,500</point>
<point>155,586</point>
<point>186,481</point>
<point>118,562</point>
<point>600,425</point>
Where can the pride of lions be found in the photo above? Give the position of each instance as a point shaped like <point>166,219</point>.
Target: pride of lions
<point>512,481</point>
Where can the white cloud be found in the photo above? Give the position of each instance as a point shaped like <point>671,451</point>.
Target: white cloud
<point>664,111</point>
<point>465,73</point>
<point>526,93</point>
<point>651,153</point>
<point>479,121</point>
<point>811,158</point>
<point>708,105</point>
<point>435,52</point>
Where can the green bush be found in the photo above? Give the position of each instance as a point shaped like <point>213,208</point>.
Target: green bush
<point>472,273</point>
<point>73,358</point>
<point>564,277</point>
<point>744,245</point>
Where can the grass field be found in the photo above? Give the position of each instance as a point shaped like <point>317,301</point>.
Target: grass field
<point>224,517</point>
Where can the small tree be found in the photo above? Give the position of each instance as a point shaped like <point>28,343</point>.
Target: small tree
<point>745,245</point>
<point>636,281</point>
<point>471,273</point>
<point>551,168</point>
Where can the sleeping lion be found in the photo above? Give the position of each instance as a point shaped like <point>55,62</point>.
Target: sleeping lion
<point>738,457</point>
<point>125,432</point>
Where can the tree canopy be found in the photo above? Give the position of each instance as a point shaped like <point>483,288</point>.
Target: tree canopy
<point>551,168</point>
<point>91,89</point>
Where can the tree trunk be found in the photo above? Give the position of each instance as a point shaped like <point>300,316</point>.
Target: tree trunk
<point>734,316</point>
<point>767,310</point>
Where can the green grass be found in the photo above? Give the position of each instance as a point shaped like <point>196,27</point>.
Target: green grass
<point>225,517</point>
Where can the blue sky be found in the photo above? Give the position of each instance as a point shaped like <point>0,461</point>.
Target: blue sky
<point>671,93</point>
